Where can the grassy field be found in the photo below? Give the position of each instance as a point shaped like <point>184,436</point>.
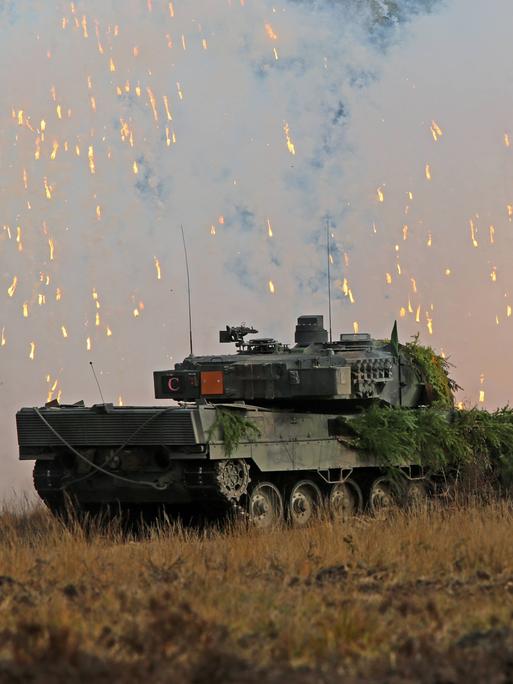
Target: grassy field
<point>425,597</point>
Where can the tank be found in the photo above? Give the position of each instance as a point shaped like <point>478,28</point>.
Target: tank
<point>259,431</point>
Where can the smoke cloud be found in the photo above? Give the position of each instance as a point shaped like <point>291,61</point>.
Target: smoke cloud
<point>250,123</point>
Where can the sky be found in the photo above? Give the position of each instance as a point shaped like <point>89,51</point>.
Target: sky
<point>251,123</point>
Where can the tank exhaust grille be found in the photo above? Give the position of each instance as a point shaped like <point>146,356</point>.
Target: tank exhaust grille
<point>88,427</point>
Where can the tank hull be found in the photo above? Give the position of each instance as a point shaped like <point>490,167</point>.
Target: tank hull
<point>177,456</point>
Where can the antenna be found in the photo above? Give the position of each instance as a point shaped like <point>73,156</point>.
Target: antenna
<point>188,290</point>
<point>329,272</point>
<point>95,377</point>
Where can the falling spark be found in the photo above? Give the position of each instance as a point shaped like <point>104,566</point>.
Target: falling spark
<point>108,332</point>
<point>271,287</point>
<point>380,194</point>
<point>25,179</point>
<point>88,344</point>
<point>112,66</point>
<point>179,89</point>
<point>90,156</point>
<point>290,145</point>
<point>12,287</point>
<point>58,294</point>
<point>212,230</point>
<point>32,352</point>
<point>492,235</point>
<point>153,103</point>
<point>429,240</point>
<point>405,232</point>
<point>429,324</point>
<point>64,331</point>
<point>481,396</point>
<point>157,267</point>
<point>270,33</point>
<point>135,168</point>
<point>52,248</point>
<point>356,327</point>
<point>428,172</point>
<point>388,278</point>
<point>166,107</point>
<point>48,188</point>
<point>120,400</point>
<point>136,312</point>
<point>98,212</point>
<point>507,140</point>
<point>508,311</point>
<point>25,310</point>
<point>493,274</point>
<point>55,147</point>
<point>473,233</point>
<point>436,131</point>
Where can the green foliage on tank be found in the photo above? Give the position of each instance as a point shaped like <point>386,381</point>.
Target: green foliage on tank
<point>436,438</point>
<point>233,427</point>
<point>434,371</point>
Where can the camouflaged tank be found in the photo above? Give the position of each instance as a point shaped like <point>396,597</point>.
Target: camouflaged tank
<point>260,430</point>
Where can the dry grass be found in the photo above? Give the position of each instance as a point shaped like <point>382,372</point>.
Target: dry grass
<point>420,597</point>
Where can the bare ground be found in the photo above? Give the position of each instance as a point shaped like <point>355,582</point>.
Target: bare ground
<point>419,597</point>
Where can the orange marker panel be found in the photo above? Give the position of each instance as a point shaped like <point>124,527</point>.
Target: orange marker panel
<point>212,382</point>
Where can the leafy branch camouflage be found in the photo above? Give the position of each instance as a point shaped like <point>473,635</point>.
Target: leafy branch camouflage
<point>233,427</point>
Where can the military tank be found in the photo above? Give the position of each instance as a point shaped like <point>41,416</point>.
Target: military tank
<point>260,431</point>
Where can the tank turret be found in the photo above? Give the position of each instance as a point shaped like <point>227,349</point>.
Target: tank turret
<point>353,370</point>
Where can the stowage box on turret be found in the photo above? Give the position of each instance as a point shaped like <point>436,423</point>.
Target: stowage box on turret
<point>258,430</point>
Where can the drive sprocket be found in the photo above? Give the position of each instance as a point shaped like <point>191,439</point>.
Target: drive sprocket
<point>232,478</point>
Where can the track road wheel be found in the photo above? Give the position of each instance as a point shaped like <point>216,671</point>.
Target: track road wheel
<point>343,502</point>
<point>304,503</point>
<point>265,505</point>
<point>416,495</point>
<point>383,496</point>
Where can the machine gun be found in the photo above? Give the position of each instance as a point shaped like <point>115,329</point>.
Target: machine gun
<point>236,334</point>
